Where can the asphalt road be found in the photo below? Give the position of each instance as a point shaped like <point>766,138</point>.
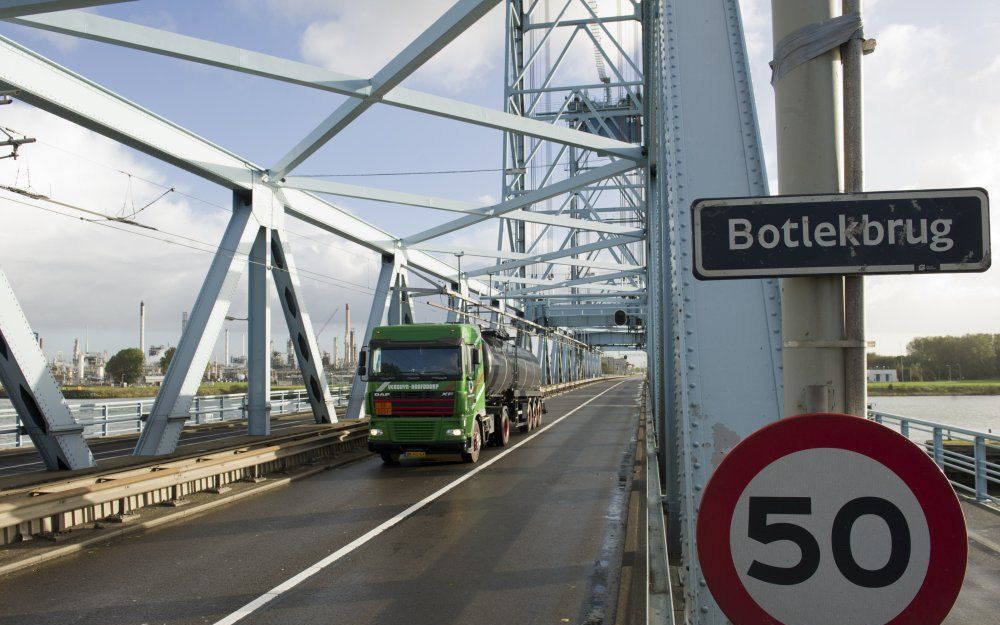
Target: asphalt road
<point>528,535</point>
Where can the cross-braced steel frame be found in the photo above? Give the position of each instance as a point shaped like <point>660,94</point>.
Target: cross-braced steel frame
<point>542,83</point>
<point>606,167</point>
<point>264,197</point>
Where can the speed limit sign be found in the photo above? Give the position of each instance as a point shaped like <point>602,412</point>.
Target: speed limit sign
<point>829,519</point>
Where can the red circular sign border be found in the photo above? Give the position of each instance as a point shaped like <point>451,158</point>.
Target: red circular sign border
<point>931,488</point>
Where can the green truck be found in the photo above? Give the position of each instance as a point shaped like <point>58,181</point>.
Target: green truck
<point>448,388</point>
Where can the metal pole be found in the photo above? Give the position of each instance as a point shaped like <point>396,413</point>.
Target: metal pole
<point>808,107</point>
<point>855,358</point>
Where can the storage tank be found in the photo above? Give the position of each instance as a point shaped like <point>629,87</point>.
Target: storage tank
<point>507,367</point>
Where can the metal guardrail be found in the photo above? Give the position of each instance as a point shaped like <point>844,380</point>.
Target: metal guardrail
<point>964,455</point>
<point>54,506</point>
<point>126,416</point>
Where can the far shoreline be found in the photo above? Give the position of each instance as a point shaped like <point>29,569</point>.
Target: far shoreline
<point>938,388</point>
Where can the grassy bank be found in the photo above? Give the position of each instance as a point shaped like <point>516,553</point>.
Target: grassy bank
<point>956,387</point>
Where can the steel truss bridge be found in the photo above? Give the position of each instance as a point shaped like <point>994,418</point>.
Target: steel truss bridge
<point>597,180</point>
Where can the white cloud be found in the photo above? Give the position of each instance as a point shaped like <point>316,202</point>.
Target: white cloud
<point>361,37</point>
<point>73,277</point>
<point>931,121</point>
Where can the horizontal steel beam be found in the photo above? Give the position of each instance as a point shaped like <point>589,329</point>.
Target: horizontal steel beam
<point>526,199</point>
<point>561,284</point>
<point>585,297</point>
<point>491,270</point>
<point>59,91</point>
<point>583,22</point>
<point>15,8</point>
<point>551,257</point>
<point>341,189</point>
<point>166,43</point>
<point>614,339</point>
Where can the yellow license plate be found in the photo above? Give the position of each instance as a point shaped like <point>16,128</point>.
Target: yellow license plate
<point>416,454</point>
<point>383,408</point>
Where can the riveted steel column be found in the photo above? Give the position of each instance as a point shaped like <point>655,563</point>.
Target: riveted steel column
<point>259,339</point>
<point>187,368</point>
<point>721,340</point>
<point>300,330</point>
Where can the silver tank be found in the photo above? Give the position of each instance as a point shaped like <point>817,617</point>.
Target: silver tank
<point>508,367</point>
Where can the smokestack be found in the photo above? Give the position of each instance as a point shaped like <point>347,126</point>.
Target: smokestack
<point>226,357</point>
<point>142,328</point>
<point>184,322</point>
<point>335,358</point>
<point>347,334</point>
<point>354,354</point>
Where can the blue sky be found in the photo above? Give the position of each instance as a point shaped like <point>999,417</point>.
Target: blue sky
<point>931,88</point>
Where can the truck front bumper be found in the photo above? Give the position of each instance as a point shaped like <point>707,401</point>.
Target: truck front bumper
<point>448,447</point>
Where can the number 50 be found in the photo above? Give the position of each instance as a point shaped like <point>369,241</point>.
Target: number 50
<point>840,537</point>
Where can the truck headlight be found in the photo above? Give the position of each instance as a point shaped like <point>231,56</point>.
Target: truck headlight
<point>375,432</point>
<point>454,432</point>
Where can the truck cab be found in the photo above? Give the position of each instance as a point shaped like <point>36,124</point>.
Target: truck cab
<point>425,392</point>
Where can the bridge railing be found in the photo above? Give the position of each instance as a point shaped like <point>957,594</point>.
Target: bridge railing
<point>126,416</point>
<point>970,459</point>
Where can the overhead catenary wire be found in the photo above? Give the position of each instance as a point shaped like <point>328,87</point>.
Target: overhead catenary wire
<point>175,190</point>
<point>192,243</point>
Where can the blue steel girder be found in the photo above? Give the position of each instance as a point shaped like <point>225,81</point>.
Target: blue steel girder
<point>34,392</point>
<point>175,45</point>
<point>18,8</point>
<point>720,348</point>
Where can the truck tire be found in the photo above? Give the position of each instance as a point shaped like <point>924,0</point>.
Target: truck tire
<point>389,458</point>
<point>538,413</point>
<point>472,456</point>
<point>526,418</point>
<point>501,434</point>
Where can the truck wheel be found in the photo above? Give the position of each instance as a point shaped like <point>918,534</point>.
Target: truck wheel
<point>390,458</point>
<point>538,413</point>
<point>472,456</point>
<point>502,434</point>
<point>526,419</point>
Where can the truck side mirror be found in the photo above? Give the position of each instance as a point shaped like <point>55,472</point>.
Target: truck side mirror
<point>362,360</point>
<point>475,357</point>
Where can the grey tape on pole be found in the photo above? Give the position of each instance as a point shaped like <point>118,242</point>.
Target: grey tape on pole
<point>813,40</point>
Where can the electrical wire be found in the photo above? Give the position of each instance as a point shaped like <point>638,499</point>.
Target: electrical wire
<point>175,190</point>
<point>192,243</point>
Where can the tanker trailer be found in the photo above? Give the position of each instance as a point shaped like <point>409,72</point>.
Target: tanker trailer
<point>446,389</point>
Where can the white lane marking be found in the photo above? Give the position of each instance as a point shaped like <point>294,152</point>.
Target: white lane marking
<point>294,581</point>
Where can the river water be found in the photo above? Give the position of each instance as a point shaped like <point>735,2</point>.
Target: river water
<point>973,412</point>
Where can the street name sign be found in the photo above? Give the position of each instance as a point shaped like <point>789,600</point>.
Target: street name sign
<point>830,519</point>
<point>895,232</point>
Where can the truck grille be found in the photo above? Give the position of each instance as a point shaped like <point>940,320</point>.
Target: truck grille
<point>421,404</point>
<point>414,431</point>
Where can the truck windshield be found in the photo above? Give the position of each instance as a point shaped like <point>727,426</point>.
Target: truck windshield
<point>404,363</point>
